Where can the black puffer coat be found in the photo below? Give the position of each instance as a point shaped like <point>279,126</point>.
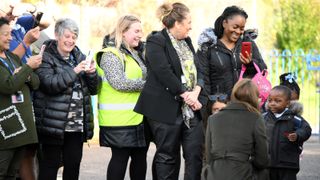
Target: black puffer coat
<point>52,100</point>
<point>221,67</point>
<point>283,153</point>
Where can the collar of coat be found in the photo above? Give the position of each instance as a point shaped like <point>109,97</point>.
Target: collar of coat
<point>235,106</point>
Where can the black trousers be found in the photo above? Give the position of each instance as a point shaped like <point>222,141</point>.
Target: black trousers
<point>168,139</point>
<point>283,174</point>
<point>10,160</point>
<point>119,160</point>
<point>69,154</point>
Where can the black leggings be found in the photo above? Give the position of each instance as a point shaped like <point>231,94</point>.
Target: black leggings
<point>70,154</point>
<point>119,159</point>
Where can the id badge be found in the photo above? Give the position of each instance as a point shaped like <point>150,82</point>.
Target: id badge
<point>17,97</point>
<point>183,79</point>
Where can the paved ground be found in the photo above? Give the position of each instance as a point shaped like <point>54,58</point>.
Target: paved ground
<point>95,160</point>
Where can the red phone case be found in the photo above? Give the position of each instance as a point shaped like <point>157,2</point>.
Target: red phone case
<point>246,46</point>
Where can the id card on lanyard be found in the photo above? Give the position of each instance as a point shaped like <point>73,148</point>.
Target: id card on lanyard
<point>18,96</point>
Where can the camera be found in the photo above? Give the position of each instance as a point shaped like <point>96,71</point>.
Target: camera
<point>37,19</point>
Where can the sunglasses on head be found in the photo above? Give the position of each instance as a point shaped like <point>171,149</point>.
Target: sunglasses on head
<point>218,97</point>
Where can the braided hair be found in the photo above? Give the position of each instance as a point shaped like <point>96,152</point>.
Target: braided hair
<point>228,13</point>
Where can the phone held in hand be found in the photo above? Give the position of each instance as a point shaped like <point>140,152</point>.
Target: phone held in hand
<point>88,60</point>
<point>42,49</point>
<point>246,48</point>
<point>37,19</point>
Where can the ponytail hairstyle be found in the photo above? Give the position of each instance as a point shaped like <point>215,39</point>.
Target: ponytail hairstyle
<point>246,92</point>
<point>170,13</point>
<point>228,13</point>
<point>123,25</point>
<point>289,80</point>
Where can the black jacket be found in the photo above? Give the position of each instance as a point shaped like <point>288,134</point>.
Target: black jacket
<point>52,100</point>
<point>283,153</point>
<point>220,66</point>
<point>160,98</point>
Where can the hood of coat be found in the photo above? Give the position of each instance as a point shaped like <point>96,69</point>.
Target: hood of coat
<point>208,37</point>
<point>296,107</point>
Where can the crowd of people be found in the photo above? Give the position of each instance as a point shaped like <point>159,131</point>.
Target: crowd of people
<point>161,91</point>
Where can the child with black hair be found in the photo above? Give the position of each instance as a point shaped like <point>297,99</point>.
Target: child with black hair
<point>286,132</point>
<point>217,102</point>
<point>288,80</point>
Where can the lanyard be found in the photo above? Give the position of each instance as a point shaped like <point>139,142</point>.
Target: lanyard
<point>7,65</point>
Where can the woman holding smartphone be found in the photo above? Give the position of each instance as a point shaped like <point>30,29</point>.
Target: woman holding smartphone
<point>220,51</point>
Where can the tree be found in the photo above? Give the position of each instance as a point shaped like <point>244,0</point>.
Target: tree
<point>298,24</point>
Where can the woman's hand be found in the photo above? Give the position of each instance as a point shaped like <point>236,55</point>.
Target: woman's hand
<point>196,106</point>
<point>31,36</point>
<point>245,60</point>
<point>80,67</point>
<point>92,67</point>
<point>192,97</point>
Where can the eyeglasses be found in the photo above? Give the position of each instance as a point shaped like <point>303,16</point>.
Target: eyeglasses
<point>218,97</point>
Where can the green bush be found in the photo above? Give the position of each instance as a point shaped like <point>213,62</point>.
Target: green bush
<point>298,24</point>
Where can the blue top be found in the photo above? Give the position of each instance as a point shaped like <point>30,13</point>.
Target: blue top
<point>23,25</point>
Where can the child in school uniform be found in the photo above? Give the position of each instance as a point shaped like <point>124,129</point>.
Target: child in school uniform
<point>286,132</point>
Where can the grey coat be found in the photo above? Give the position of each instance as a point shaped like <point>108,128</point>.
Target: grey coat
<point>236,143</point>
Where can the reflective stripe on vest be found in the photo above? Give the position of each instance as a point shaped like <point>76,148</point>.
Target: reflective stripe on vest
<point>116,107</point>
<point>128,106</point>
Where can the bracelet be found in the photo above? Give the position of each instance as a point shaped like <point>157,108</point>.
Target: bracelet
<point>24,45</point>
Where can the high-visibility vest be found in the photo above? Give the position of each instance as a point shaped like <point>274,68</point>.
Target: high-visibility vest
<point>115,108</point>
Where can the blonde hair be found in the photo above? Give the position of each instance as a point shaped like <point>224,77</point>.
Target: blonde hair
<point>170,13</point>
<point>122,26</point>
<point>246,92</point>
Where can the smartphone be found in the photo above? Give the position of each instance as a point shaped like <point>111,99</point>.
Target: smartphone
<point>37,19</point>
<point>88,60</point>
<point>246,47</point>
<point>42,49</point>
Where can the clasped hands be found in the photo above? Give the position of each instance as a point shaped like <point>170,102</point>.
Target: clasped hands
<point>191,98</point>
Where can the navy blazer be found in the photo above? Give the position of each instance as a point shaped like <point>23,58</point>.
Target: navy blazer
<point>160,98</point>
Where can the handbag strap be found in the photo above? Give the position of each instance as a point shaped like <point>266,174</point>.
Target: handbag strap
<point>244,68</point>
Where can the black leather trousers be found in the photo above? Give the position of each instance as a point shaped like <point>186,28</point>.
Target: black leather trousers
<point>168,139</point>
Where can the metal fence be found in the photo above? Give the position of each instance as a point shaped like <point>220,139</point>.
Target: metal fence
<point>306,66</point>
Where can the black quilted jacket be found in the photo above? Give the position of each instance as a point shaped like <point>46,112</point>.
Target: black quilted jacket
<point>52,100</point>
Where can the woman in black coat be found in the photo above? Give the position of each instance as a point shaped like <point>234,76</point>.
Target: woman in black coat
<point>170,98</point>
<point>220,52</point>
<point>62,105</point>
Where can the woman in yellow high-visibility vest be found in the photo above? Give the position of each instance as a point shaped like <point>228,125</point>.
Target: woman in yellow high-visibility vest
<point>122,67</point>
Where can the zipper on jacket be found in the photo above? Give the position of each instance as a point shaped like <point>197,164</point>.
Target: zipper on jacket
<point>236,66</point>
<point>221,63</point>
